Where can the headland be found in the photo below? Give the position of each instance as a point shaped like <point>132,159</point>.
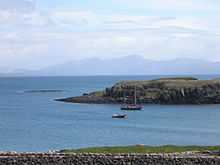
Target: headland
<point>182,90</point>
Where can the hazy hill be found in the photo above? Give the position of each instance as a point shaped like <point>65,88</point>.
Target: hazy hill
<point>129,65</point>
<point>133,65</point>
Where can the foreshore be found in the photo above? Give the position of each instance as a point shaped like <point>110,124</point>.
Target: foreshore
<point>108,159</point>
<point>126,155</point>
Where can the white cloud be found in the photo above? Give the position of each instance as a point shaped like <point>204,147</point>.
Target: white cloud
<point>73,17</point>
<point>32,39</point>
<point>15,20</point>
<point>170,5</point>
<point>17,5</point>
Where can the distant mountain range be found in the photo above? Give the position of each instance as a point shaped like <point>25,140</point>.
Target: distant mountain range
<point>129,65</point>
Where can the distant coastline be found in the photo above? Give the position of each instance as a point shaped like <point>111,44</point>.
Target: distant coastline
<point>182,90</point>
<point>43,91</point>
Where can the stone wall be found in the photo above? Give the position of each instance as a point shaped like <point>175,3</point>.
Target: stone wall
<point>106,159</point>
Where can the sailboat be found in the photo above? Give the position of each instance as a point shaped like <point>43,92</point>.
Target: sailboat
<point>134,106</point>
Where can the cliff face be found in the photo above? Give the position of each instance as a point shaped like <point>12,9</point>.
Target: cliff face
<point>161,91</point>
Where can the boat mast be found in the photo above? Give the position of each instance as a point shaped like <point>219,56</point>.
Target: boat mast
<point>124,100</point>
<point>135,97</point>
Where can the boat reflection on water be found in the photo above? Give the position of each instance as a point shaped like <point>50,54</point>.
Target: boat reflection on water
<point>132,107</point>
<point>119,116</point>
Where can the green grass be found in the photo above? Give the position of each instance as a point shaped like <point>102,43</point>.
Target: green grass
<point>98,93</point>
<point>178,78</point>
<point>143,149</point>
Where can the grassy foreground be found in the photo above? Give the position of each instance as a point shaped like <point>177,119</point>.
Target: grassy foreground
<point>143,149</point>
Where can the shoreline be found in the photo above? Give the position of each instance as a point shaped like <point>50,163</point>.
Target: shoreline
<point>143,149</point>
<point>205,157</point>
<point>108,158</point>
<point>131,149</point>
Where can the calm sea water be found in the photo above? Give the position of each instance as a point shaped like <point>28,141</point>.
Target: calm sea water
<point>34,122</point>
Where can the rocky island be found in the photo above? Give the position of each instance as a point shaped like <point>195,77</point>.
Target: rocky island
<point>185,90</point>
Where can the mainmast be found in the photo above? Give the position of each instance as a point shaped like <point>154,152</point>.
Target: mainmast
<point>135,96</point>
<point>124,99</point>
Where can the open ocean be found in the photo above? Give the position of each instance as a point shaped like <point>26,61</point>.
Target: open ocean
<point>33,121</point>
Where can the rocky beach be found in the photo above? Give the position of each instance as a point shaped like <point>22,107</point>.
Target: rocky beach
<point>108,159</point>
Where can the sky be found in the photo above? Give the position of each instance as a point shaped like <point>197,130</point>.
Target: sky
<point>39,33</point>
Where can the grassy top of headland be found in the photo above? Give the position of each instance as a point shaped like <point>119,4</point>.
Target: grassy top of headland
<point>143,149</point>
<point>169,83</point>
<point>178,78</point>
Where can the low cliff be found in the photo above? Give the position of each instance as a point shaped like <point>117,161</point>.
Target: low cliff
<point>159,91</point>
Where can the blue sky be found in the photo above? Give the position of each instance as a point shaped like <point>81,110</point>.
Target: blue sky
<point>40,33</point>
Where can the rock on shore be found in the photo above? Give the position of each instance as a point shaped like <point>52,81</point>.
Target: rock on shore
<point>106,159</point>
<point>160,91</point>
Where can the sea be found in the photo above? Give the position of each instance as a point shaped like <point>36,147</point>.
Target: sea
<point>31,121</point>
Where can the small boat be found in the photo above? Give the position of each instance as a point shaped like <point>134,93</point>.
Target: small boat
<point>119,116</point>
<point>132,107</point>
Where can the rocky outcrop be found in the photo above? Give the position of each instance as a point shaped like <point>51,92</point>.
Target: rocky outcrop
<point>160,91</point>
<point>90,99</point>
<point>107,159</point>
